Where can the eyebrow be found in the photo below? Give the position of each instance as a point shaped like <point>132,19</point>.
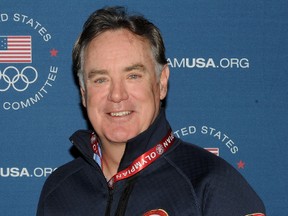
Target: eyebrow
<point>138,67</point>
<point>93,73</point>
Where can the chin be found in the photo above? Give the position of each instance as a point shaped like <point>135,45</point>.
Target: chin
<point>120,138</point>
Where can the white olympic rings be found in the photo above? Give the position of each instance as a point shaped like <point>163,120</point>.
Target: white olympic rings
<point>18,77</point>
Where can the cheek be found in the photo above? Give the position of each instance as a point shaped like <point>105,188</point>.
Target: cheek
<point>93,100</point>
<point>93,94</point>
<point>150,101</point>
<point>150,88</point>
<point>144,94</point>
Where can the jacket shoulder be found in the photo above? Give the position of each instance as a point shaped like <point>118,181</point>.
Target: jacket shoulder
<point>220,188</point>
<point>61,173</point>
<point>189,157</point>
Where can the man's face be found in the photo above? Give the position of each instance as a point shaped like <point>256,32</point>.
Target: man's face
<point>122,93</point>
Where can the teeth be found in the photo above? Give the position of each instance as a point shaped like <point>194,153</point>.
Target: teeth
<point>124,113</point>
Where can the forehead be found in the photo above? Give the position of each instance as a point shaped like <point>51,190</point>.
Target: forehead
<point>117,46</point>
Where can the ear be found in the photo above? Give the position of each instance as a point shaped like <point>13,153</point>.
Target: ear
<point>164,77</point>
<point>83,96</point>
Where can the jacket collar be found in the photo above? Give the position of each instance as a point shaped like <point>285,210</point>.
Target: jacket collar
<point>134,147</point>
<point>145,140</point>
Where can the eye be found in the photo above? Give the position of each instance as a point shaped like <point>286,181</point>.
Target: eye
<point>100,80</point>
<point>134,76</point>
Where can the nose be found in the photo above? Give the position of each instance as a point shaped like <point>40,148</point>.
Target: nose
<point>118,92</point>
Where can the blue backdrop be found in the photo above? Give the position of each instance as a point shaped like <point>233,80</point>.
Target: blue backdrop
<point>228,88</point>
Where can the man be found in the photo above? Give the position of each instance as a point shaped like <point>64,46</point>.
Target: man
<point>132,164</point>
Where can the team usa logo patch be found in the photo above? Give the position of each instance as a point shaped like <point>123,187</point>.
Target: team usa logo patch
<point>156,212</point>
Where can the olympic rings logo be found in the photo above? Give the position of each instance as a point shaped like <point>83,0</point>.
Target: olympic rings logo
<point>19,80</point>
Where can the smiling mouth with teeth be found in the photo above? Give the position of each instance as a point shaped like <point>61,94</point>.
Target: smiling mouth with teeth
<point>119,114</point>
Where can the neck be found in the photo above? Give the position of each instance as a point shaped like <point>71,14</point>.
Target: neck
<point>112,154</point>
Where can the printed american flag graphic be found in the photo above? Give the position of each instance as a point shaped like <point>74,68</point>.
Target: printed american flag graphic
<point>213,150</point>
<point>15,49</point>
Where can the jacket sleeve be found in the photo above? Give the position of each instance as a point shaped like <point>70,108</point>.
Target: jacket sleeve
<point>228,193</point>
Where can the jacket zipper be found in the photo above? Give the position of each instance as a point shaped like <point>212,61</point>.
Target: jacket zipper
<point>109,202</point>
<point>124,199</point>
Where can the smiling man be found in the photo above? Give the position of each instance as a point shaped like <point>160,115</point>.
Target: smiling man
<point>131,164</point>
<point>121,91</point>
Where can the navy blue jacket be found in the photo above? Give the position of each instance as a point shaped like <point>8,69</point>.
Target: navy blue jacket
<point>185,180</point>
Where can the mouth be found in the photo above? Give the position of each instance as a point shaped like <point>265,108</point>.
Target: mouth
<point>120,114</point>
